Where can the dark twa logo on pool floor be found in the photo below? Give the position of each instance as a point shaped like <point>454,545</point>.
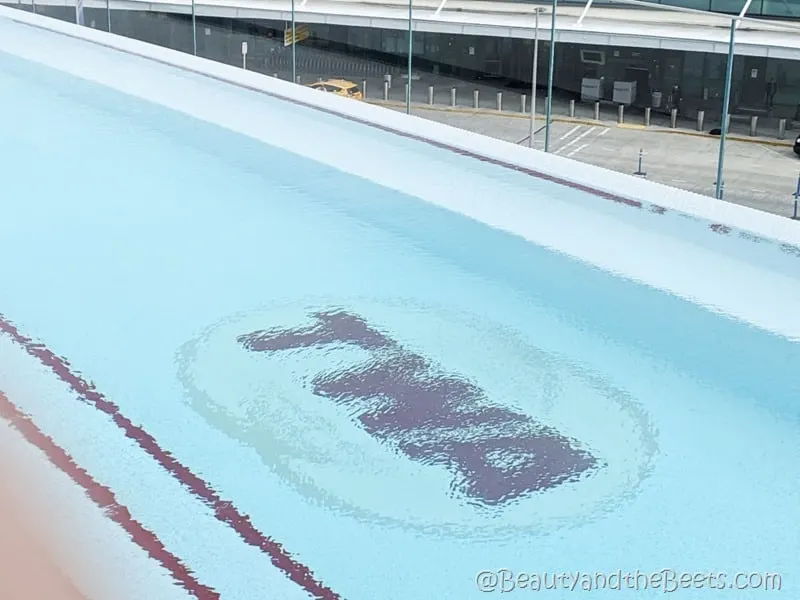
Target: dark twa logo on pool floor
<point>403,414</point>
<point>433,416</point>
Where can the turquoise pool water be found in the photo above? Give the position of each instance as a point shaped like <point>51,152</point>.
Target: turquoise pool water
<point>401,396</point>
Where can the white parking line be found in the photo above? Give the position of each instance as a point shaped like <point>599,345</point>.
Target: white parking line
<point>605,131</point>
<point>778,152</point>
<point>570,132</point>
<point>574,141</point>
<point>578,149</point>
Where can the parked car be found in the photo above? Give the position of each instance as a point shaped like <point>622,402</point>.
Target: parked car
<point>797,145</point>
<point>340,87</point>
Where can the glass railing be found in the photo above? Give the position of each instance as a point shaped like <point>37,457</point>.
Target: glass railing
<point>655,112</point>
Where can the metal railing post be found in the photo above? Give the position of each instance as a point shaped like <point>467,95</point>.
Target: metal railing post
<point>726,101</point>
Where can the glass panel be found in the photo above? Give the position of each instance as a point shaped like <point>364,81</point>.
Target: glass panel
<point>733,7</point>
<point>360,56</point>
<point>94,17</point>
<point>19,4</point>
<point>163,29</point>
<point>781,8</point>
<point>97,18</point>
<point>62,13</point>
<point>695,4</point>
<point>786,75</point>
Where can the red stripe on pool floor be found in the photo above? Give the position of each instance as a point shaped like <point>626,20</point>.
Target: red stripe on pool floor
<point>224,510</point>
<point>105,499</point>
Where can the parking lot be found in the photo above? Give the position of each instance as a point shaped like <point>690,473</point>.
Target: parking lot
<point>759,175</point>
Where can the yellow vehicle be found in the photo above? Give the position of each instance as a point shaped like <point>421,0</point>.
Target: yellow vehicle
<point>340,87</point>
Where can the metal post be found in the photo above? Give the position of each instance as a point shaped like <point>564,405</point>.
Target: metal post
<point>640,171</point>
<point>499,100</point>
<point>572,109</point>
<point>647,116</point>
<point>550,71</point>
<point>596,111</point>
<point>194,29</point>
<point>725,107</point>
<point>294,47</point>
<point>621,113</point>
<point>452,96</point>
<point>701,117</point>
<point>673,118</point>
<point>534,76</point>
<point>407,91</point>
<point>430,95</point>
<point>475,97</point>
<point>385,90</point>
<point>364,88</point>
<point>796,196</point>
<point>585,12</point>
<point>523,103</point>
<point>781,129</point>
<point>410,53</point>
<point>753,126</point>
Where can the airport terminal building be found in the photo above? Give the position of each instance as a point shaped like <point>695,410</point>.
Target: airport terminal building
<point>675,59</point>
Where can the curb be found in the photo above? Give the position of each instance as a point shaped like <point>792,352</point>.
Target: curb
<point>630,126</point>
<point>730,137</point>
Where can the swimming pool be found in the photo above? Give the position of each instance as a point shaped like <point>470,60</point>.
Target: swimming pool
<point>397,396</point>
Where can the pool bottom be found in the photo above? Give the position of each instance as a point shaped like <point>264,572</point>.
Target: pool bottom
<point>144,263</point>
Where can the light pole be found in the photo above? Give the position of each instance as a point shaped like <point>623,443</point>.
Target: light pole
<point>726,101</point>
<point>294,50</point>
<point>534,75</point>
<point>194,29</point>
<point>551,68</point>
<point>410,50</point>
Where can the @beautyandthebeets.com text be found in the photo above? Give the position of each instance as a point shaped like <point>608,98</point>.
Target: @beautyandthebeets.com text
<point>666,580</point>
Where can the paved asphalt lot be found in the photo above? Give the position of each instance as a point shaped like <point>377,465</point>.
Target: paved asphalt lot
<point>759,175</point>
